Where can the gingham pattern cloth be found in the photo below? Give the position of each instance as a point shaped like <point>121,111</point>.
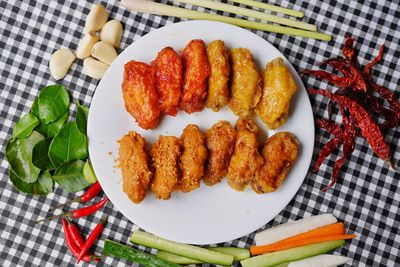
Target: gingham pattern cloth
<point>366,197</point>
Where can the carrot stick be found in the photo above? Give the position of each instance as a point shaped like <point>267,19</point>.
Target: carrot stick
<point>302,242</point>
<point>331,229</point>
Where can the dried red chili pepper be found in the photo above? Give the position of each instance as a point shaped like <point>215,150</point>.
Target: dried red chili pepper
<point>339,81</point>
<point>350,54</point>
<point>369,129</point>
<point>73,247</point>
<point>339,64</point>
<point>92,238</point>
<point>332,144</point>
<point>82,212</point>
<point>92,192</point>
<point>384,92</point>
<point>349,134</point>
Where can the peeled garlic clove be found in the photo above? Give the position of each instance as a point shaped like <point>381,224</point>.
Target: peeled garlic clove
<point>104,52</point>
<point>96,18</point>
<point>112,33</point>
<point>60,62</point>
<point>85,46</point>
<point>94,68</point>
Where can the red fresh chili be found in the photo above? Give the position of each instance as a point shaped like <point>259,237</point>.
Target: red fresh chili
<point>75,234</point>
<point>93,191</point>
<point>369,129</point>
<point>92,238</point>
<point>82,212</point>
<point>72,246</point>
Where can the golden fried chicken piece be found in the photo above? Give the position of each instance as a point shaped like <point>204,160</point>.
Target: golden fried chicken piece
<point>246,159</point>
<point>165,155</point>
<point>218,91</point>
<point>140,94</point>
<point>220,142</point>
<point>193,157</point>
<point>134,164</point>
<point>196,69</point>
<point>246,82</point>
<point>280,153</point>
<point>279,88</point>
<point>168,71</point>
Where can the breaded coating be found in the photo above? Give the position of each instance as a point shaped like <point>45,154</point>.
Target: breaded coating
<point>196,70</point>
<point>140,94</point>
<point>165,155</point>
<point>218,91</point>
<point>246,82</point>
<point>246,159</point>
<point>278,90</point>
<point>220,142</point>
<point>279,153</point>
<point>134,164</point>
<point>194,155</point>
<point>168,71</point>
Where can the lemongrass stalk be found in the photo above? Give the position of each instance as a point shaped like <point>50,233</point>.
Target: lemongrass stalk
<point>250,13</point>
<point>274,8</point>
<point>145,6</point>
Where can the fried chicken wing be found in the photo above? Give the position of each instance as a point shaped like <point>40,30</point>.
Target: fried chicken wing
<point>168,71</point>
<point>279,153</point>
<point>140,94</point>
<point>278,90</point>
<point>220,142</point>
<point>246,82</point>
<point>196,69</point>
<point>246,159</point>
<point>193,157</point>
<point>218,91</point>
<point>134,164</point>
<point>165,155</point>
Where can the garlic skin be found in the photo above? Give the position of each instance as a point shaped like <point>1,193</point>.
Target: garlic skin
<point>60,62</point>
<point>96,18</point>
<point>104,52</point>
<point>86,44</point>
<point>112,33</point>
<point>94,68</point>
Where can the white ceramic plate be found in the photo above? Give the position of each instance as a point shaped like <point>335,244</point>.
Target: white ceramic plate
<point>209,214</point>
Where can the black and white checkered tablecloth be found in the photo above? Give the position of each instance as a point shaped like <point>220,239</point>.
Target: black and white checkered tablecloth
<point>366,198</point>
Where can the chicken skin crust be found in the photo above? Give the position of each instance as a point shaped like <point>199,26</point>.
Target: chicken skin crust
<point>165,155</point>
<point>194,155</point>
<point>280,153</point>
<point>246,82</point>
<point>168,72</point>
<point>278,90</point>
<point>140,94</point>
<point>196,70</point>
<point>218,91</point>
<point>220,142</point>
<point>246,159</point>
<point>134,164</point>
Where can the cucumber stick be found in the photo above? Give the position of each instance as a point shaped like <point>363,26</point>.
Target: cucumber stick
<point>120,251</point>
<point>293,254</point>
<point>171,257</point>
<point>189,251</point>
<point>237,253</point>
